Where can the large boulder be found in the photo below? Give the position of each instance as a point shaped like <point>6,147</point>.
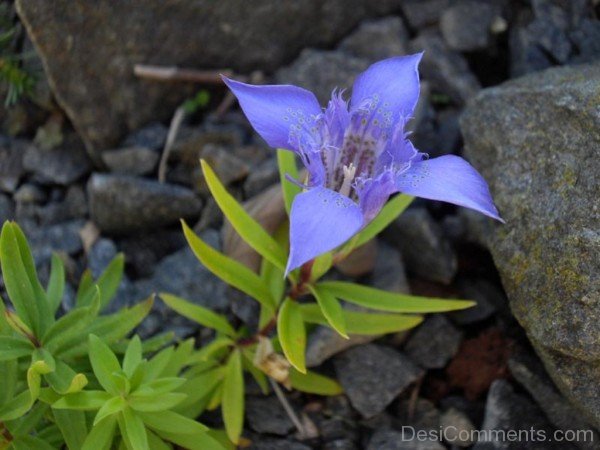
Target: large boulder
<point>537,141</point>
<point>89,48</point>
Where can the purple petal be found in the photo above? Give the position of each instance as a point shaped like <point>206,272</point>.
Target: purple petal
<point>394,82</point>
<point>374,193</point>
<point>449,179</point>
<point>276,110</point>
<point>320,220</point>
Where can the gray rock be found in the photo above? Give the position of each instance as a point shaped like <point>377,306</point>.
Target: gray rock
<point>151,136</point>
<point>72,206</point>
<point>337,428</point>
<point>424,249</point>
<point>121,204</point>
<point>323,343</point>
<point>372,376</point>
<point>59,165</point>
<point>62,237</point>
<point>322,71</point>
<point>527,369</point>
<point>103,97</point>
<point>506,410</point>
<point>377,39</point>
<point>396,440</point>
<point>266,415</point>
<point>544,181</point>
<point>145,249</point>
<point>340,444</point>
<point>467,25</point>
<point>421,13</point>
<point>489,299</point>
<point>446,70</point>
<point>277,444</point>
<point>459,428</point>
<point>7,209</point>
<point>29,193</point>
<point>434,342</point>
<point>228,167</point>
<point>420,414</point>
<point>259,179</point>
<point>11,163</point>
<point>101,254</point>
<point>131,160</point>
<point>389,273</point>
<point>586,40</point>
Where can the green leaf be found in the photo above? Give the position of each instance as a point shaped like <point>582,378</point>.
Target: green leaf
<point>64,380</point>
<point>179,359</point>
<point>156,443</point>
<point>101,435</point>
<point>113,406</point>
<point>388,301</point>
<point>248,228</point>
<point>365,323</point>
<point>314,383</point>
<point>208,351</point>
<point>84,400</point>
<point>286,161</point>
<point>30,421</point>
<point>70,326</point>
<point>13,347</point>
<point>161,385</point>
<point>30,443</point>
<point>16,278</point>
<point>158,364</point>
<point>197,441</point>
<point>108,283</point>
<point>198,314</point>
<point>388,213</point>
<point>171,422</point>
<point>233,397</point>
<point>73,427</point>
<point>332,309</point>
<point>292,334</point>
<point>133,429</point>
<point>197,389</point>
<point>16,407</point>
<point>321,265</point>
<point>110,328</point>
<point>105,364</point>
<point>154,402</point>
<point>133,356</point>
<point>257,374</point>
<point>229,270</point>
<point>56,283</point>
<point>85,283</point>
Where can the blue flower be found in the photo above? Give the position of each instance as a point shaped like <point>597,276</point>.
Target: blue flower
<point>357,154</point>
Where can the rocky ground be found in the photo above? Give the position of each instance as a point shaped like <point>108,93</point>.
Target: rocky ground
<point>91,193</point>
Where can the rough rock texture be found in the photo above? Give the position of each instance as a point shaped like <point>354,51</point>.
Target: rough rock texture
<point>89,48</point>
<point>121,204</point>
<point>536,140</point>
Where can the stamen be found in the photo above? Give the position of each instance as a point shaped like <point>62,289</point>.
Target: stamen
<point>349,172</point>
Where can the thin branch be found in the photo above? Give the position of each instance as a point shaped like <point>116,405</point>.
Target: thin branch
<point>288,408</point>
<point>176,74</point>
<point>173,130</point>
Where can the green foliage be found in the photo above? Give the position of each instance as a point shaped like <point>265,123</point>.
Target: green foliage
<point>77,381</point>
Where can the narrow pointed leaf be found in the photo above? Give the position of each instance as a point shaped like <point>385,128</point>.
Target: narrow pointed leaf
<point>13,347</point>
<point>314,383</point>
<point>84,400</point>
<point>108,283</point>
<point>286,161</point>
<point>233,397</point>
<point>133,429</point>
<point>229,270</point>
<point>155,403</point>
<point>171,422</point>
<point>198,314</point>
<point>56,284</point>
<point>101,435</point>
<point>112,406</point>
<point>133,356</point>
<point>388,301</point>
<point>248,228</point>
<point>332,309</point>
<point>72,426</point>
<point>105,364</point>
<point>16,279</point>
<point>64,380</point>
<point>292,334</point>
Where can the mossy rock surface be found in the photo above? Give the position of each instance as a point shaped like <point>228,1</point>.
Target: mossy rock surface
<point>537,142</point>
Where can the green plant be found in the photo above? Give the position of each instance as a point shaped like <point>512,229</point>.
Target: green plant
<point>46,362</point>
<point>288,306</point>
